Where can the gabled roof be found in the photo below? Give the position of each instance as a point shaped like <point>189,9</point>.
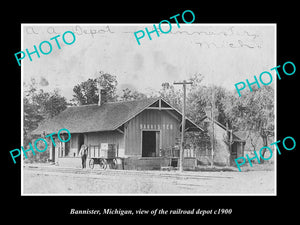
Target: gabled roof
<point>242,135</point>
<point>236,135</point>
<point>92,118</point>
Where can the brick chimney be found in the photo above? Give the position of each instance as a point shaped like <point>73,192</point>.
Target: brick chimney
<point>102,95</point>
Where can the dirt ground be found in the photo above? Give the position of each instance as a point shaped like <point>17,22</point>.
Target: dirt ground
<point>50,179</point>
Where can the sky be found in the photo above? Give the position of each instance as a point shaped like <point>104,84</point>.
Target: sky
<point>224,54</point>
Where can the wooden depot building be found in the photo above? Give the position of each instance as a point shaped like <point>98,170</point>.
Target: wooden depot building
<point>140,130</point>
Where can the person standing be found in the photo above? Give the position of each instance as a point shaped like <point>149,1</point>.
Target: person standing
<point>83,153</point>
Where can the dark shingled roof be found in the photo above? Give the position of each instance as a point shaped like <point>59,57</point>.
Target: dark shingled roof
<point>91,118</point>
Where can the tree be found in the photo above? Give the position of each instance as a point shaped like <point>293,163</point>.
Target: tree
<point>129,95</point>
<point>197,79</point>
<point>109,83</point>
<point>201,100</point>
<point>172,96</point>
<point>198,98</point>
<point>253,139</point>
<point>54,104</point>
<point>39,105</point>
<point>87,92</point>
<point>254,111</point>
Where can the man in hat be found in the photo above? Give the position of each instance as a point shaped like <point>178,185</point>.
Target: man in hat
<point>83,153</point>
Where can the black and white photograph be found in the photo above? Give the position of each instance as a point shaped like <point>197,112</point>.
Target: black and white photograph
<point>162,117</point>
<point>144,112</point>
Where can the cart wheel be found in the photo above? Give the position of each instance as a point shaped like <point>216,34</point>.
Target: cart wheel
<point>91,163</point>
<point>114,164</point>
<point>103,164</point>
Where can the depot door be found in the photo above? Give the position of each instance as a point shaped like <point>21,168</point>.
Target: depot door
<point>233,154</point>
<point>150,143</point>
<point>52,152</point>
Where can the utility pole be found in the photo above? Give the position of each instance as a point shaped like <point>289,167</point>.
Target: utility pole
<point>213,129</point>
<point>184,83</point>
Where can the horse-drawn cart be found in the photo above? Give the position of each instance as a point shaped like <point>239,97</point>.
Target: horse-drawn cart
<point>104,154</point>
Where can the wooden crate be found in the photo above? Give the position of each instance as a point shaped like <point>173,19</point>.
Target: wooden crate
<point>107,153</point>
<point>103,150</point>
<point>107,146</point>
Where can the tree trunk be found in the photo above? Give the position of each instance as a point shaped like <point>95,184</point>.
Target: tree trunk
<point>265,143</point>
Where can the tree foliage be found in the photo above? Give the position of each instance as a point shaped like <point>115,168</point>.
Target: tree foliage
<point>39,105</point>
<point>171,95</point>
<point>254,112</point>
<point>129,95</point>
<point>87,92</point>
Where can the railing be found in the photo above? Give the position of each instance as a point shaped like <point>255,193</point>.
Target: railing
<point>189,153</point>
<point>174,152</point>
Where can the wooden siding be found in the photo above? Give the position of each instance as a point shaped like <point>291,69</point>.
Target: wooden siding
<point>222,155</point>
<point>74,140</point>
<point>93,138</point>
<point>111,137</point>
<point>74,148</point>
<point>156,120</point>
